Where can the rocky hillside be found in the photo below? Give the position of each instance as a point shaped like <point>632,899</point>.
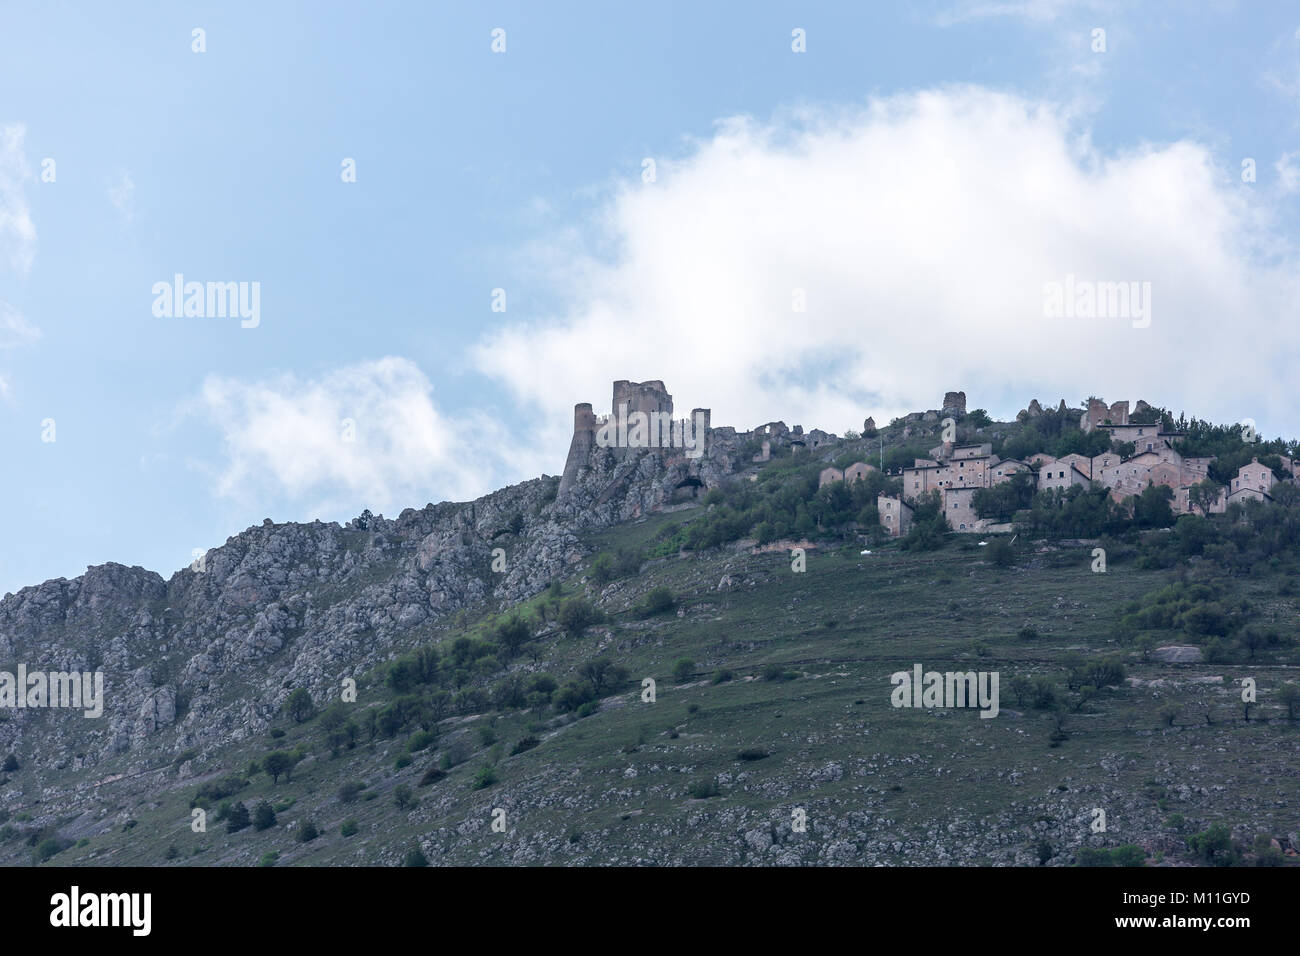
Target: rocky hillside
<point>539,617</point>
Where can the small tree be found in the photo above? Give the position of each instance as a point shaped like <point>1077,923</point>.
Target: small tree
<point>682,669</point>
<point>308,832</point>
<point>299,706</point>
<point>657,601</point>
<point>402,797</point>
<point>238,818</point>
<point>278,763</point>
<point>577,614</point>
<point>263,816</point>
<point>1213,845</point>
<point>512,634</point>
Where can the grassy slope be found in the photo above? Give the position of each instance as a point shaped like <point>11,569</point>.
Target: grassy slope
<point>935,786</point>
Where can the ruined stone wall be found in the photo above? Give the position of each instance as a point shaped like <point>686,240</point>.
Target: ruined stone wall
<point>648,397</point>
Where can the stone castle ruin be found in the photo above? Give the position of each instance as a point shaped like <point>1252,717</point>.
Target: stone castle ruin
<point>641,418</point>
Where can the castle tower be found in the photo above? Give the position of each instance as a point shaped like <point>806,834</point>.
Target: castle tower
<point>648,397</point>
<point>584,439</point>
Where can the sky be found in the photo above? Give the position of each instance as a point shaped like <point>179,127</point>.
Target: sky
<point>461,219</point>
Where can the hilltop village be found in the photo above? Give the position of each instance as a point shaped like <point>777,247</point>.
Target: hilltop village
<point>607,453</point>
<point>956,472</point>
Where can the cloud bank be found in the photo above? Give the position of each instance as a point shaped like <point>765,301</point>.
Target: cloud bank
<point>819,268</point>
<point>369,433</point>
<point>921,231</point>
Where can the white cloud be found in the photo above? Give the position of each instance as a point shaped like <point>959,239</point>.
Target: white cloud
<point>15,330</point>
<point>17,232</point>
<point>285,436</point>
<point>923,229</point>
<point>120,194</point>
<point>1288,172</point>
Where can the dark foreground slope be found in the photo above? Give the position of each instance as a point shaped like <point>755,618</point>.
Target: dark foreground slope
<point>783,706</point>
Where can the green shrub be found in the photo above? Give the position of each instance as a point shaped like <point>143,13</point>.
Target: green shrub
<point>525,743</point>
<point>420,740</point>
<point>299,705</point>
<point>1094,856</point>
<point>349,828</point>
<point>657,601</point>
<point>49,847</point>
<point>263,816</point>
<point>682,669</point>
<point>349,791</point>
<point>215,790</point>
<point>238,818</point>
<point>1129,855</point>
<point>308,832</point>
<point>704,789</point>
<point>1214,846</point>
<point>485,778</point>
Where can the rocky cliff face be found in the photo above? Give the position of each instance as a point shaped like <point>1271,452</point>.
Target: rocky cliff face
<point>212,653</point>
<point>209,655</point>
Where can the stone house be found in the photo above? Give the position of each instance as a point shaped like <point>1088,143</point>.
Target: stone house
<point>855,472</point>
<point>895,515</point>
<point>1255,477</point>
<point>1143,437</point>
<point>959,509</point>
<point>858,471</point>
<point>1060,474</point>
<point>1004,469</point>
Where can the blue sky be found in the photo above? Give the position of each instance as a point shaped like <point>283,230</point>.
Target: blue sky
<point>869,160</point>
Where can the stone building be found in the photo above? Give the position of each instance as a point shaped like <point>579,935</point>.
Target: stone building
<point>895,515</point>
